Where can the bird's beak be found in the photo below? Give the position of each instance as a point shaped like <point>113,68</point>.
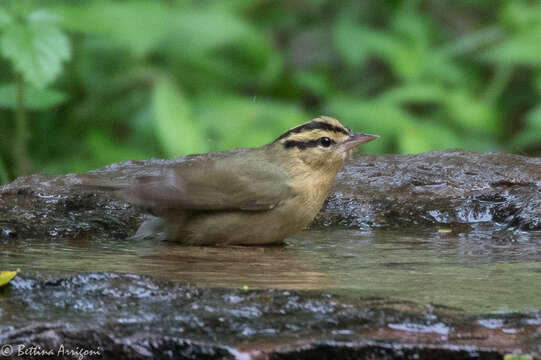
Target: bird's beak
<point>357,139</point>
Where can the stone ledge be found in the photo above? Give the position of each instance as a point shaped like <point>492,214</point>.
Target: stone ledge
<point>436,188</point>
<point>126,316</point>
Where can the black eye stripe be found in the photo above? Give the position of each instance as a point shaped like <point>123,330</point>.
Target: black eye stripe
<point>313,125</point>
<point>302,145</point>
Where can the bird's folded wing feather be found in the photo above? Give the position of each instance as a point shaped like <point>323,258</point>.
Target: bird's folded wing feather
<point>215,186</point>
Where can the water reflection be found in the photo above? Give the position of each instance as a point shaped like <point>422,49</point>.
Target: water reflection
<point>235,266</point>
<point>455,269</point>
<point>468,268</point>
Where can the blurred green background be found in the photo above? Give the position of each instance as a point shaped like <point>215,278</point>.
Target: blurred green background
<point>88,83</point>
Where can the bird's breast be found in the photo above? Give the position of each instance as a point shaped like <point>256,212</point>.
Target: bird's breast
<point>311,193</point>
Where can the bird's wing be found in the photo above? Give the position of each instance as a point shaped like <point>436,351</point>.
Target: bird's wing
<point>220,185</point>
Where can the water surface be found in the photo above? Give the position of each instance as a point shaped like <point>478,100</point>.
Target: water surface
<point>469,268</point>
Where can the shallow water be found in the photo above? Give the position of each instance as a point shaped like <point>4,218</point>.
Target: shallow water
<point>471,269</point>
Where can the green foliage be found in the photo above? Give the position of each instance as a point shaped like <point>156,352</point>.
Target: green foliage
<point>247,122</point>
<point>176,129</point>
<point>521,21</point>
<point>5,18</point>
<point>35,46</point>
<point>517,357</point>
<point>170,77</point>
<point>35,99</point>
<point>4,176</point>
<point>450,114</point>
<point>138,26</point>
<point>532,129</point>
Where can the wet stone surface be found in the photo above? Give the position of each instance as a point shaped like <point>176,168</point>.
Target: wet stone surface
<point>439,187</point>
<point>462,227</point>
<point>125,316</point>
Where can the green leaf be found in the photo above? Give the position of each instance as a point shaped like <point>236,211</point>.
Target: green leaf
<point>518,49</point>
<point>472,114</point>
<point>244,121</point>
<point>317,83</point>
<point>174,125</point>
<point>34,98</point>
<point>4,175</point>
<point>422,93</point>
<point>142,25</point>
<point>219,29</point>
<point>44,17</point>
<point>223,45</point>
<point>136,25</point>
<point>517,357</point>
<point>428,136</point>
<point>406,48</point>
<point>189,36</point>
<point>105,151</point>
<point>521,15</point>
<point>531,132</point>
<point>374,117</point>
<point>6,276</point>
<point>471,42</point>
<point>533,118</point>
<point>355,42</point>
<point>36,47</point>
<point>5,18</point>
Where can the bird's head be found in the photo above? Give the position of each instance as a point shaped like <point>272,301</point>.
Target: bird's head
<point>323,142</point>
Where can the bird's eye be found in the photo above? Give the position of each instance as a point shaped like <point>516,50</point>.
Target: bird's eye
<point>325,141</point>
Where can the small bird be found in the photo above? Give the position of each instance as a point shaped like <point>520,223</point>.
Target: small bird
<point>256,196</point>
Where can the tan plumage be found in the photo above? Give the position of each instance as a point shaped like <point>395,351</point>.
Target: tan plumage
<point>246,196</point>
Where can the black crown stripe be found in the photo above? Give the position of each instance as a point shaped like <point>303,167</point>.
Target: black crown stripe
<point>313,125</point>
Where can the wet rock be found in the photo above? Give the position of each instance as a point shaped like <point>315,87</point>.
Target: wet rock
<point>135,317</point>
<point>437,188</point>
<point>449,187</point>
